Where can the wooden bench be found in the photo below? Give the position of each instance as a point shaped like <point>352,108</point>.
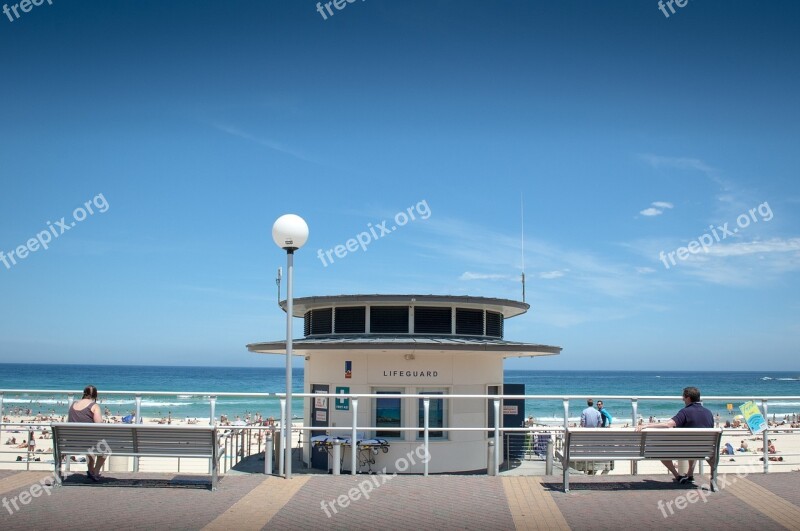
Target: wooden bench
<point>136,440</point>
<point>604,444</point>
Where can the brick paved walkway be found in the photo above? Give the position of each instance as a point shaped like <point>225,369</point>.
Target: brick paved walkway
<point>253,501</point>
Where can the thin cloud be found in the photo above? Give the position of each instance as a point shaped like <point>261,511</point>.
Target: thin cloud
<point>774,245</point>
<point>467,275</point>
<point>678,163</point>
<point>276,146</point>
<point>651,212</point>
<point>656,208</point>
<point>549,275</point>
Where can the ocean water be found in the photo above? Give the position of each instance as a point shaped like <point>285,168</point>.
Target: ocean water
<point>208,380</point>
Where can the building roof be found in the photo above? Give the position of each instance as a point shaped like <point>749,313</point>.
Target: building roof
<point>407,343</point>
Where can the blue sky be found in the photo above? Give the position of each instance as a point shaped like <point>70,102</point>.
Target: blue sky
<point>194,125</point>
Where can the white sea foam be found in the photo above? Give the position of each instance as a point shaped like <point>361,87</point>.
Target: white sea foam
<point>63,401</point>
<point>109,402</point>
<point>766,378</point>
<point>789,379</point>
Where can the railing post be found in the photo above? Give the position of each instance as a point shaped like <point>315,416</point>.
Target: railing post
<point>1,415</point>
<point>28,449</point>
<point>212,419</point>
<point>548,466</point>
<point>354,438</point>
<point>70,401</point>
<point>138,399</point>
<point>766,437</point>
<point>566,413</point>
<point>268,454</point>
<point>426,407</point>
<point>283,437</point>
<point>337,457</point>
<point>490,458</point>
<point>634,420</point>
<point>496,436</point>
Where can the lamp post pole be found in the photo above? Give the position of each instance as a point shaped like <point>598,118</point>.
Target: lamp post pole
<point>287,460</point>
<point>290,233</point>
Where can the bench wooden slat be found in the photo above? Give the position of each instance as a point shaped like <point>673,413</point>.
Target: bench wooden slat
<point>604,444</point>
<point>137,440</point>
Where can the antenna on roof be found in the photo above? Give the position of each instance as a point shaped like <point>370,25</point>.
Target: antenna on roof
<point>278,282</point>
<point>522,240</point>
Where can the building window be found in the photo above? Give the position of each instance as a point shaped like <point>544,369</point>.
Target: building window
<point>437,414</point>
<point>351,320</point>
<point>433,320</point>
<point>469,322</point>
<point>389,413</point>
<point>494,324</point>
<point>388,319</point>
<point>321,321</point>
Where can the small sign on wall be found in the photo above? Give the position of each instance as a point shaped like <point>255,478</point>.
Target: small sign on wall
<point>321,402</point>
<point>510,410</point>
<point>348,369</point>
<point>342,404</point>
<point>322,416</point>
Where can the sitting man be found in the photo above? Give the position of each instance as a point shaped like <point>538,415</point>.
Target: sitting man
<point>743,446</point>
<point>694,415</point>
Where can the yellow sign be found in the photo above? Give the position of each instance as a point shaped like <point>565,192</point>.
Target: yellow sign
<point>730,407</point>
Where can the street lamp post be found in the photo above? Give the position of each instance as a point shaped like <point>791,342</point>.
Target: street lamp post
<point>290,233</point>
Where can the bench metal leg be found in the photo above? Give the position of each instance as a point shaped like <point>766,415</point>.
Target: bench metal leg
<point>57,478</point>
<point>214,472</point>
<point>713,466</point>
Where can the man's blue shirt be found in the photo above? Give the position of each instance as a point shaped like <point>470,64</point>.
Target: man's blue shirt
<point>694,416</point>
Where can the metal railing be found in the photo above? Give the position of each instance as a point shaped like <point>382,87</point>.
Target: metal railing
<point>240,437</point>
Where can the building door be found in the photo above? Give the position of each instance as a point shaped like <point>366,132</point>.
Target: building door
<point>514,417</point>
<point>320,418</point>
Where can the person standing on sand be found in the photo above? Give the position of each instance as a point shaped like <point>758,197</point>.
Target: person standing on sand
<point>590,417</point>
<point>87,410</point>
<point>693,415</point>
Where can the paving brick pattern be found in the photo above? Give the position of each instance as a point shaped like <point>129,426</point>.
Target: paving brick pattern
<point>764,501</point>
<point>628,502</point>
<point>258,506</point>
<point>251,501</point>
<point>404,502</point>
<point>129,502</point>
<point>532,506</point>
<point>786,485</point>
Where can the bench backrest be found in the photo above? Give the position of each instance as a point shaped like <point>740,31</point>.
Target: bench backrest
<point>681,443</point>
<point>134,439</point>
<point>654,443</point>
<point>611,443</point>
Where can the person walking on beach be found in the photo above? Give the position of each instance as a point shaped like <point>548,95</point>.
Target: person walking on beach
<point>693,415</point>
<point>590,417</point>
<point>605,416</point>
<point>87,410</point>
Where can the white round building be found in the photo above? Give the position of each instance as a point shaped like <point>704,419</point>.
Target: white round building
<point>405,345</point>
